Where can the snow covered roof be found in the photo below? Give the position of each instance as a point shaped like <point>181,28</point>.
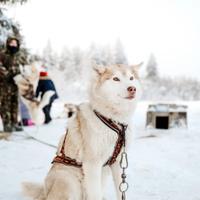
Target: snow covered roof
<point>167,108</point>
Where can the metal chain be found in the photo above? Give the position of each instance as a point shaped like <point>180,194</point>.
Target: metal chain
<point>123,187</point>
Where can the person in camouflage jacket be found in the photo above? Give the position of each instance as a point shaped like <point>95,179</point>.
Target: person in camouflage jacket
<point>10,61</point>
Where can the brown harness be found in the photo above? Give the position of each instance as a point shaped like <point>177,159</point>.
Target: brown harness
<point>63,159</point>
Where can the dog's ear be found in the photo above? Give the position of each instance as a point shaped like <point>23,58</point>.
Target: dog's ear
<point>137,66</point>
<point>99,69</point>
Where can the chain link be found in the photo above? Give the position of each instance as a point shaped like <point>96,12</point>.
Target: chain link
<point>123,187</point>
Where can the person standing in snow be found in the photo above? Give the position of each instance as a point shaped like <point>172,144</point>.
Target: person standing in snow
<point>10,60</point>
<point>46,84</point>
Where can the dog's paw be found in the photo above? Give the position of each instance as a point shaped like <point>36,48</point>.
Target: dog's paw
<point>70,110</point>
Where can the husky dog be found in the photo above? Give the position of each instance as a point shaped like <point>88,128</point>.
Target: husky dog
<point>91,146</point>
<point>27,82</point>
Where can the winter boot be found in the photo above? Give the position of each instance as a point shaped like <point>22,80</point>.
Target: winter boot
<point>17,128</point>
<point>30,122</point>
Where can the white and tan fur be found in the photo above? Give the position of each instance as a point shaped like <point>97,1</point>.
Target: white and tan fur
<point>30,76</point>
<point>91,142</point>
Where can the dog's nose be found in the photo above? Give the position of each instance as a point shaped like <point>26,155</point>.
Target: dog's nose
<point>131,89</point>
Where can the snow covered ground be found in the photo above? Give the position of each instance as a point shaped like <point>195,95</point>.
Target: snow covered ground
<point>163,164</point>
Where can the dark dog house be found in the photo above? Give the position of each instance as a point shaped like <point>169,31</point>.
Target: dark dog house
<point>165,116</point>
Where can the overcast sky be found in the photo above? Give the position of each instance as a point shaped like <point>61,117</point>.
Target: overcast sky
<point>168,28</point>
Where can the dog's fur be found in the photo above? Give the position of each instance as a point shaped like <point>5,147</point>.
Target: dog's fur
<point>91,142</point>
<point>27,87</point>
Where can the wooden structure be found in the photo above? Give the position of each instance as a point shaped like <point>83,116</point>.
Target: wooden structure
<point>165,116</point>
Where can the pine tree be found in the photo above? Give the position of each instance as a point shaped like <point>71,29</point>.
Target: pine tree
<point>50,58</point>
<point>94,54</point>
<point>8,28</point>
<point>151,69</point>
<point>65,59</point>
<point>107,55</point>
<point>76,67</point>
<point>119,54</point>
<point>12,1</point>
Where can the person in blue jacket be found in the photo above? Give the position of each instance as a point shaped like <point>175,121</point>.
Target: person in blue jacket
<point>46,84</point>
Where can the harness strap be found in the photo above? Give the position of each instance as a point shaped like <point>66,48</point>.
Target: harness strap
<point>108,122</point>
<point>62,151</point>
<point>63,159</point>
<point>66,161</point>
<point>121,136</point>
<point>118,146</point>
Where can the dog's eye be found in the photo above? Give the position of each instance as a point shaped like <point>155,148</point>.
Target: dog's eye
<point>116,79</point>
<point>131,78</point>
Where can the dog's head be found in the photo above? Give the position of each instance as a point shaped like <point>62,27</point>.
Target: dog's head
<point>30,72</point>
<point>117,85</point>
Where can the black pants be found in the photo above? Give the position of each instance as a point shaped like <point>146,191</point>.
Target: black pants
<point>47,110</point>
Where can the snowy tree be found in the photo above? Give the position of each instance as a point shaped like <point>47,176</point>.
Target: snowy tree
<point>102,54</point>
<point>10,28</point>
<point>12,1</point>
<point>50,58</point>
<point>94,54</point>
<point>65,59</point>
<point>77,56</point>
<point>7,28</point>
<point>74,66</point>
<point>151,69</point>
<point>167,88</point>
<point>70,63</point>
<point>67,65</point>
<point>119,54</point>
<point>107,55</point>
